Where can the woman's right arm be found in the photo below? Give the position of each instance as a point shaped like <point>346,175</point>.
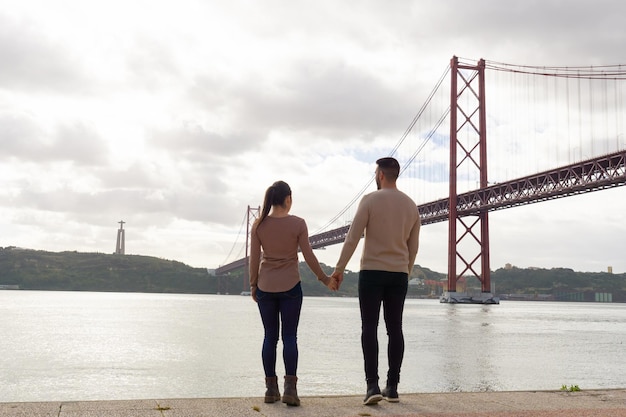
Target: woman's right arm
<point>311,259</point>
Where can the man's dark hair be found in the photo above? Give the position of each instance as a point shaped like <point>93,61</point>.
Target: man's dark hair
<point>390,167</point>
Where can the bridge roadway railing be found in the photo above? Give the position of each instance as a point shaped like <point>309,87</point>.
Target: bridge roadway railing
<point>233,266</point>
<point>599,173</point>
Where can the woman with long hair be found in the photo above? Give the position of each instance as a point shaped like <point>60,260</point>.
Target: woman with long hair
<point>276,237</point>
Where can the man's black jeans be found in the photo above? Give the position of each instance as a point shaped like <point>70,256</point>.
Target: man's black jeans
<point>388,288</point>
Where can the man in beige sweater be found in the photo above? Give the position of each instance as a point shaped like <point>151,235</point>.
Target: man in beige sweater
<point>391,223</point>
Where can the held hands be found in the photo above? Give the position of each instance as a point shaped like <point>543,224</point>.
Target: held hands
<point>336,280</point>
<point>328,281</point>
<point>331,282</point>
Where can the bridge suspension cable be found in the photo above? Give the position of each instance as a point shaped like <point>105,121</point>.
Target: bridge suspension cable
<point>243,221</point>
<point>428,137</point>
<point>600,72</point>
<point>421,111</point>
<point>406,133</point>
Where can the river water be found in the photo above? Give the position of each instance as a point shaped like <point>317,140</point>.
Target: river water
<point>64,346</point>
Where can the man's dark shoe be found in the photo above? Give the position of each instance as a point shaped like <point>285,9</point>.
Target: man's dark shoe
<point>373,395</point>
<point>390,393</point>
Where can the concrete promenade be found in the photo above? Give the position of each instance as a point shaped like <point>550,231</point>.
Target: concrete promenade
<point>586,403</point>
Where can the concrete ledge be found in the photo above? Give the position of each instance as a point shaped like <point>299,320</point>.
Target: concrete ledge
<point>586,403</point>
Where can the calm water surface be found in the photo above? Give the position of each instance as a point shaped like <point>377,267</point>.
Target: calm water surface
<point>62,346</point>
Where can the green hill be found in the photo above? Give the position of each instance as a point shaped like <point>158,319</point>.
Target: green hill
<point>75,271</point>
<point>560,283</point>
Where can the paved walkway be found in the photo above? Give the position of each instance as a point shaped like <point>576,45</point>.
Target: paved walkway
<point>604,403</point>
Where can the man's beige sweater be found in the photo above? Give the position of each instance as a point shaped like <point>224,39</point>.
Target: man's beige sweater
<point>391,224</point>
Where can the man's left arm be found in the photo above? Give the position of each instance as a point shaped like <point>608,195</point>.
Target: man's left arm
<point>413,243</point>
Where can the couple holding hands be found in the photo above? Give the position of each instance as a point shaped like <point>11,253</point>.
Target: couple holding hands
<point>391,224</point>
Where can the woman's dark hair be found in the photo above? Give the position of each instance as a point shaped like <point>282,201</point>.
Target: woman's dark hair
<point>274,196</point>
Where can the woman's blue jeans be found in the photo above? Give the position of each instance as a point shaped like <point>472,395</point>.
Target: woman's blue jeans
<point>388,289</point>
<point>280,309</point>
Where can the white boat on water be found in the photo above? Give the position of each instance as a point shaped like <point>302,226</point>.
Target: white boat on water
<point>463,298</point>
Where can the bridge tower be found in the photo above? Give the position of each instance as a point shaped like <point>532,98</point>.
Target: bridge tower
<point>120,246</point>
<point>253,214</point>
<point>468,236</point>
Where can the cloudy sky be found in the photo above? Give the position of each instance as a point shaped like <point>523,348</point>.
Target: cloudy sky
<point>175,116</point>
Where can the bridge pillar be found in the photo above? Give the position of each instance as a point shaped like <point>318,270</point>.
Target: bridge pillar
<point>468,237</point>
<point>253,214</point>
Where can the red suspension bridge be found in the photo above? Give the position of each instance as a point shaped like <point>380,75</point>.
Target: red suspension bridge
<point>592,115</point>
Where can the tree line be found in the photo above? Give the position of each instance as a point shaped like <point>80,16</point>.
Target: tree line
<point>79,271</point>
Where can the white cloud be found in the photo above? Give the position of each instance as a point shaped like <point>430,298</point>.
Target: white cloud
<point>176,116</point>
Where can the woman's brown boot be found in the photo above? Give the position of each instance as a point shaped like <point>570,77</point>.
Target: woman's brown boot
<point>290,395</point>
<point>272,394</point>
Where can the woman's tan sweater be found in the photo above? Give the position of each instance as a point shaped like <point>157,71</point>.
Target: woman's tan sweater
<point>274,253</point>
